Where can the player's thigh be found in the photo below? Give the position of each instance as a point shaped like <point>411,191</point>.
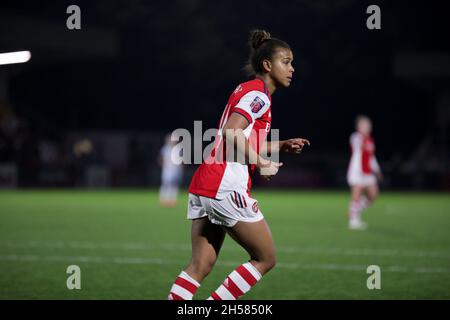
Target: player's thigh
<point>207,240</point>
<point>357,192</point>
<point>372,192</point>
<point>255,238</point>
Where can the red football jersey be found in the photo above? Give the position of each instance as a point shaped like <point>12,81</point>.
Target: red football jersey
<point>217,177</point>
<point>363,160</point>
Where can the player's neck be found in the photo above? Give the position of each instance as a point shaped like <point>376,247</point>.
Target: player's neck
<point>268,82</point>
<point>364,134</point>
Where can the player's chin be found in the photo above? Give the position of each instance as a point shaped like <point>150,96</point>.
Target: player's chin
<point>288,82</point>
<point>284,84</point>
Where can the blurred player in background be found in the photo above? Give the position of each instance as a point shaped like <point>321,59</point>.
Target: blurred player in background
<point>362,173</point>
<point>219,194</point>
<point>171,174</point>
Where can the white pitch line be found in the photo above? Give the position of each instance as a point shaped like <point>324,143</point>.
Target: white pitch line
<point>157,261</point>
<point>187,247</point>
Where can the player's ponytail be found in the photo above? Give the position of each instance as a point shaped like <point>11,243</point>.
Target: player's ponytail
<point>257,38</point>
<point>262,47</point>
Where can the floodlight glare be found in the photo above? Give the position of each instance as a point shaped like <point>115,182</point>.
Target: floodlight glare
<point>14,57</point>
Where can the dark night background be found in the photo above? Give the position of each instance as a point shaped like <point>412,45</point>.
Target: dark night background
<point>160,65</point>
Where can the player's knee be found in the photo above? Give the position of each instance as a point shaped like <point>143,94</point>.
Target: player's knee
<point>271,262</point>
<point>372,197</point>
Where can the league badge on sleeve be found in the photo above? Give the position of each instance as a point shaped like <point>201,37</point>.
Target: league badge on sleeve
<point>257,104</point>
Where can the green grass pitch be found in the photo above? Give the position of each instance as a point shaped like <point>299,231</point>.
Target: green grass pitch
<point>129,247</point>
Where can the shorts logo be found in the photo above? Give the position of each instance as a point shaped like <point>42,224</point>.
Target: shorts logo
<point>238,200</point>
<point>257,104</point>
<point>255,207</point>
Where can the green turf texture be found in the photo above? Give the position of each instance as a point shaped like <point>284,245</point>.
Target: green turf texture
<point>129,247</point>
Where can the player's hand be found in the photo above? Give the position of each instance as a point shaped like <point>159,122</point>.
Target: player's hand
<point>380,176</point>
<point>267,168</point>
<point>294,145</point>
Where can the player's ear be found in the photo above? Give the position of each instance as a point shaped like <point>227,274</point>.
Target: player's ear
<point>267,65</point>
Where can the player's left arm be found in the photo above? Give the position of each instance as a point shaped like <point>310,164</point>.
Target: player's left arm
<point>294,145</point>
<point>376,168</point>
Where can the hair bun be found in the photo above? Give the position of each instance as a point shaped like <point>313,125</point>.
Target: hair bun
<point>257,38</point>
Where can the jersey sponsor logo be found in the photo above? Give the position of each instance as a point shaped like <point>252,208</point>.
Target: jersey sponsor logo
<point>255,207</point>
<point>238,89</point>
<point>257,104</point>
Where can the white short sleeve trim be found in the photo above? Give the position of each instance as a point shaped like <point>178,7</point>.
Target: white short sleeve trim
<point>255,103</point>
<point>356,141</point>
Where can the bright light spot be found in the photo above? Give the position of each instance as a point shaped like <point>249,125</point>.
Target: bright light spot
<point>15,57</point>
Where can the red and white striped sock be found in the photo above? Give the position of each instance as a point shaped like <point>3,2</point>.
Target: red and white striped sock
<point>364,203</point>
<point>237,283</point>
<point>184,287</point>
<point>354,211</point>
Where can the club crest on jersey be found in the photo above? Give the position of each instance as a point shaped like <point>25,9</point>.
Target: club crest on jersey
<point>257,104</point>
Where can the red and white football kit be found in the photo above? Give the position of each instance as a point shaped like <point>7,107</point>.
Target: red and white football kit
<point>363,163</point>
<point>220,188</point>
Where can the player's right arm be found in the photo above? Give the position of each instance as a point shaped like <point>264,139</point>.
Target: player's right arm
<point>233,133</point>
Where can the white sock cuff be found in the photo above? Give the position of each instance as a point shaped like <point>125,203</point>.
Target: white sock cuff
<point>253,270</point>
<point>187,277</point>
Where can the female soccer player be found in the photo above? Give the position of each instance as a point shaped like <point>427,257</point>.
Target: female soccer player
<point>171,175</point>
<point>362,173</point>
<point>219,194</point>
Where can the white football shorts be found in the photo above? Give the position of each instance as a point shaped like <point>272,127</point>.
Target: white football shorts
<point>361,179</point>
<point>227,211</point>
